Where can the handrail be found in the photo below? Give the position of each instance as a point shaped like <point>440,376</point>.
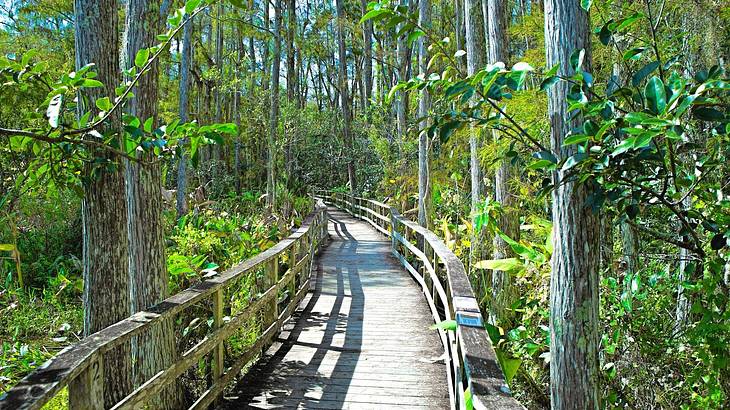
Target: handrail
<point>81,366</point>
<point>471,363</point>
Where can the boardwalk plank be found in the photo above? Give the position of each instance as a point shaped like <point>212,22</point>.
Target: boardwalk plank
<point>362,342</point>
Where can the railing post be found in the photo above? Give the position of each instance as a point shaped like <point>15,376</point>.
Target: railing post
<point>272,274</point>
<point>86,391</point>
<point>294,284</point>
<point>393,230</point>
<point>219,350</point>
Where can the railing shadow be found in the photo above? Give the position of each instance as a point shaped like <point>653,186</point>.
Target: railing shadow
<point>324,376</point>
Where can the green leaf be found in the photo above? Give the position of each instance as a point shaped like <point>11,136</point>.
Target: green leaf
<point>394,90</point>
<point>644,140</point>
<point>656,95</point>
<point>9,247</point>
<point>191,5</point>
<point>142,57</point>
<point>640,75</point>
<point>576,59</point>
<point>548,82</point>
<point>508,264</point>
<point>509,365</point>
<point>586,4</point>
<point>540,164</point>
<point>708,114</point>
<point>90,83</point>
<point>624,146</point>
<point>148,125</point>
<point>104,104</point>
<point>445,325</point>
<point>634,53</point>
<point>375,14</point>
<point>576,139</point>
<point>546,155</point>
<point>447,129</point>
<point>605,34</point>
<point>238,3</point>
<point>622,24</point>
<point>468,400</point>
<point>415,35</point>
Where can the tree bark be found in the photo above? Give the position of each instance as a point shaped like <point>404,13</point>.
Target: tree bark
<point>574,333</point>
<point>104,209</point>
<point>367,33</point>
<point>424,105</point>
<point>344,96</point>
<point>474,61</point>
<point>265,46</point>
<point>401,105</point>
<point>509,222</point>
<point>291,76</point>
<point>184,103</point>
<point>459,31</point>
<point>274,111</point>
<point>155,349</point>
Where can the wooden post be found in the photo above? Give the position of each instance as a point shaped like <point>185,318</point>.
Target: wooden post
<point>273,277</point>
<point>294,284</point>
<point>217,361</point>
<point>86,391</point>
<point>393,231</point>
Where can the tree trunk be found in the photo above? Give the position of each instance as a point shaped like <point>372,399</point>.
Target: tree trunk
<point>265,46</point>
<point>474,62</point>
<point>252,51</point>
<point>274,111</point>
<point>104,209</point>
<point>509,221</point>
<point>185,64</point>
<point>155,349</point>
<point>574,333</point>
<point>685,272</point>
<point>401,106</point>
<point>291,76</point>
<point>459,29</point>
<point>367,33</point>
<point>424,105</point>
<point>344,96</point>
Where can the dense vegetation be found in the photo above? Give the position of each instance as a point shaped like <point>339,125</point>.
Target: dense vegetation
<point>574,154</point>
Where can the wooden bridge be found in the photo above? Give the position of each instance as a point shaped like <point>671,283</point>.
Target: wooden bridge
<point>341,321</point>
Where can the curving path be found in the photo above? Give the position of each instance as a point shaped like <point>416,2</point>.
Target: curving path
<point>362,340</point>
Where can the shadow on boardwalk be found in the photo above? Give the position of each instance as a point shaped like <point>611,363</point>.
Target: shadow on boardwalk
<point>362,341</point>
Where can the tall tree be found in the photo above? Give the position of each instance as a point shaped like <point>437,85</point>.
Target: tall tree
<point>155,349</point>
<point>104,209</point>
<point>367,33</point>
<point>186,60</point>
<point>574,333</point>
<point>459,31</point>
<point>424,105</point>
<point>509,223</point>
<point>344,96</point>
<point>291,27</point>
<point>274,110</point>
<point>474,61</point>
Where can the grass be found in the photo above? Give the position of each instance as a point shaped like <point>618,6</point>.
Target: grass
<point>33,328</point>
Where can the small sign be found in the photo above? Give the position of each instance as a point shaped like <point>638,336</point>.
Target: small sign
<point>469,320</point>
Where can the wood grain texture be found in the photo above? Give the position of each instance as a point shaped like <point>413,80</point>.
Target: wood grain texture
<point>471,358</point>
<point>362,341</point>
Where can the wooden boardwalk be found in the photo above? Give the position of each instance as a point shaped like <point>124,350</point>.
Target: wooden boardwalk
<point>362,340</point>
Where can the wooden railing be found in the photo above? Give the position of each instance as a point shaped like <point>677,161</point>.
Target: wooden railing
<point>81,366</point>
<point>472,368</point>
